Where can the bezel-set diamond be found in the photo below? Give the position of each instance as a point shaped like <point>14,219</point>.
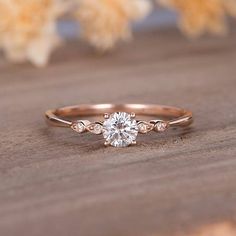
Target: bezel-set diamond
<point>161,126</point>
<point>119,129</point>
<point>95,128</point>
<point>78,126</point>
<point>144,127</point>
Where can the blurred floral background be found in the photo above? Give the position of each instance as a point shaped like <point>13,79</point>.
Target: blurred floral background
<point>29,28</point>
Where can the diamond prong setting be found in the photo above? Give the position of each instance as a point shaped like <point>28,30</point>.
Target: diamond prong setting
<point>160,126</point>
<point>120,129</point>
<point>78,126</point>
<point>132,115</point>
<point>106,116</point>
<point>145,127</point>
<point>106,143</point>
<point>134,142</point>
<point>95,128</point>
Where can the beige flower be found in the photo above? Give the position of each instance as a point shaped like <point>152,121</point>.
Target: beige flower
<point>199,16</point>
<point>218,229</point>
<point>104,22</point>
<point>28,29</point>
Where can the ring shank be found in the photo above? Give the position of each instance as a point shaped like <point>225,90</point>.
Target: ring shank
<point>176,116</point>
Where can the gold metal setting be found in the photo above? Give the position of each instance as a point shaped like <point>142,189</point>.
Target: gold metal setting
<point>170,117</point>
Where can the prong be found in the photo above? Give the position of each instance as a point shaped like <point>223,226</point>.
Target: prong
<point>91,127</point>
<point>107,143</point>
<point>134,142</point>
<point>132,115</point>
<point>106,116</point>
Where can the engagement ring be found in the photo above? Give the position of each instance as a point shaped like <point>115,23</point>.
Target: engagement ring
<point>120,124</point>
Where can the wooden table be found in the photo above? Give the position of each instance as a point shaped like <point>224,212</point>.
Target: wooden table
<point>55,182</point>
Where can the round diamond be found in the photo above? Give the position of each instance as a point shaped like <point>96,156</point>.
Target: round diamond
<point>144,127</point>
<point>120,129</point>
<point>95,128</point>
<point>78,127</point>
<point>161,126</point>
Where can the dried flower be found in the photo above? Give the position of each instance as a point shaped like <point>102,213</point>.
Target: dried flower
<point>217,229</point>
<point>28,29</point>
<point>104,22</point>
<point>199,16</point>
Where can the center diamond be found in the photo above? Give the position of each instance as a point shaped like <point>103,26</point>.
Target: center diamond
<point>120,129</point>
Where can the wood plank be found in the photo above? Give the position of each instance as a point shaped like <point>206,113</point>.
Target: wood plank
<point>53,182</point>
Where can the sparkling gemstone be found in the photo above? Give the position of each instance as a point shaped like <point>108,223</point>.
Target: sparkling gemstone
<point>161,126</point>
<point>144,127</point>
<point>95,128</point>
<point>120,129</point>
<point>78,127</point>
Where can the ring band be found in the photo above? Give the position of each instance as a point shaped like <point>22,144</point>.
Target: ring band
<point>119,125</point>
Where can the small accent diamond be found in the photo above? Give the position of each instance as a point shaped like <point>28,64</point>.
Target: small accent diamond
<point>95,128</point>
<point>144,127</point>
<point>78,127</point>
<point>161,126</point>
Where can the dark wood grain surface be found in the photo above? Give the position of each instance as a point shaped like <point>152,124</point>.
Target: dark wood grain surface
<point>55,182</point>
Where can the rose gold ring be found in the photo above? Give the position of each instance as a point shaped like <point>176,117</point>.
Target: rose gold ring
<point>119,125</point>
